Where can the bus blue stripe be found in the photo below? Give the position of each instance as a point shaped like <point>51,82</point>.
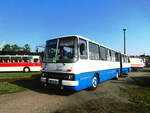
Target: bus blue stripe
<point>85,79</point>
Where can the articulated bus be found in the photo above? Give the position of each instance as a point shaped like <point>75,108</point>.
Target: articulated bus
<point>76,63</point>
<point>23,63</point>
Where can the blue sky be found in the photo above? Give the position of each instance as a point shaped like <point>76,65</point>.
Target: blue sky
<point>35,21</point>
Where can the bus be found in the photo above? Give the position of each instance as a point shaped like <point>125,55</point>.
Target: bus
<point>137,63</point>
<point>25,63</point>
<point>76,63</point>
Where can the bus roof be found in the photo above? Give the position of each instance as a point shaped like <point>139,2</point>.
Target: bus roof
<point>19,55</point>
<point>78,36</point>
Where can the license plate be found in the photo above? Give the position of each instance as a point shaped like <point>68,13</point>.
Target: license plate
<point>53,81</point>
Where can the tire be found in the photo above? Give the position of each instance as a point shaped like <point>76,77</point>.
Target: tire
<point>26,69</point>
<point>94,83</point>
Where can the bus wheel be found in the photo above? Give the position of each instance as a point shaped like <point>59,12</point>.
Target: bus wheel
<point>94,83</point>
<point>26,69</point>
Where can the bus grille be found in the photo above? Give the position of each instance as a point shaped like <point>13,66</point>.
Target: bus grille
<point>57,75</point>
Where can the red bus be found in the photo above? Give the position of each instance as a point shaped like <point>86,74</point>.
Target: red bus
<point>25,63</point>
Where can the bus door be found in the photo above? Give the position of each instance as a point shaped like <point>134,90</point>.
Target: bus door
<point>120,64</point>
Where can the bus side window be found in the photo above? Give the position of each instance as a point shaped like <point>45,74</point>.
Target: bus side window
<point>108,54</point>
<point>113,56</point>
<point>83,49</point>
<point>5,60</point>
<point>103,53</point>
<point>93,51</point>
<point>24,59</point>
<point>117,57</point>
<point>36,60</point>
<point>126,59</point>
<point>123,58</point>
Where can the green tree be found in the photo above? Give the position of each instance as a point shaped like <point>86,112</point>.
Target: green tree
<point>7,47</point>
<point>15,47</point>
<point>26,48</point>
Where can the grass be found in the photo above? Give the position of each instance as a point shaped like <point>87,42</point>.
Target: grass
<point>6,88</point>
<point>107,105</point>
<point>13,87</point>
<point>18,74</point>
<point>139,96</point>
<point>137,92</point>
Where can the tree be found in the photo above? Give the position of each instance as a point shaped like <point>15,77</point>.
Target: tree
<point>15,47</point>
<point>26,48</point>
<point>7,47</point>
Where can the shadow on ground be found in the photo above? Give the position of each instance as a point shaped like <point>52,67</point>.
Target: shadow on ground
<point>143,81</point>
<point>36,85</point>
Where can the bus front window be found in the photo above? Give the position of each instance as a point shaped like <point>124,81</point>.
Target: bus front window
<point>50,50</point>
<point>66,50</point>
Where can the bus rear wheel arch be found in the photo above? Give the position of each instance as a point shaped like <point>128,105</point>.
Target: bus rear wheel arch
<point>26,69</point>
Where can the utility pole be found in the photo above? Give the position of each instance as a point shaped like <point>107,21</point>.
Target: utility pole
<point>124,31</point>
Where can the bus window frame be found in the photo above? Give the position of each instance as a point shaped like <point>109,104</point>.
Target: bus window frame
<point>84,57</point>
<point>94,58</point>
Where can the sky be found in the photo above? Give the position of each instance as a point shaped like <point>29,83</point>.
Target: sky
<point>35,21</point>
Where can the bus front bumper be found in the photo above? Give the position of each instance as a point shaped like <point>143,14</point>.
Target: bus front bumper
<point>70,83</point>
<point>57,82</point>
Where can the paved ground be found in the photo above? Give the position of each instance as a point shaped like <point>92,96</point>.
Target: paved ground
<point>38,100</point>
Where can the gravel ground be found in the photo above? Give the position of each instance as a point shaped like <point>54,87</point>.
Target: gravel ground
<point>39,101</point>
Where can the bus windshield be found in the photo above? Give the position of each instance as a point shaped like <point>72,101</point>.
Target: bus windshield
<point>63,50</point>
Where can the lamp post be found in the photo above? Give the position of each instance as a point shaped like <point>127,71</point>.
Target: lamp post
<point>124,31</point>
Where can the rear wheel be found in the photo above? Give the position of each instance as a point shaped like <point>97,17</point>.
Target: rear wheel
<point>94,83</point>
<point>26,69</point>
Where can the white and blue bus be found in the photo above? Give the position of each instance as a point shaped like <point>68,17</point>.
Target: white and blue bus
<point>76,63</point>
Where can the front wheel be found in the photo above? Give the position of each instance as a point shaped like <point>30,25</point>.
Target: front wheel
<point>94,83</point>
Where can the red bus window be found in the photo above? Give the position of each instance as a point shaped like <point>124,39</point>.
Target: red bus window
<point>4,60</point>
<point>1,60</point>
<point>36,60</point>
<point>27,59</point>
<point>15,59</point>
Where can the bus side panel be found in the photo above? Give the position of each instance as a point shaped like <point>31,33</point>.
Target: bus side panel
<point>6,69</point>
<point>35,68</point>
<point>107,74</point>
<point>85,79</point>
<point>126,70</point>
